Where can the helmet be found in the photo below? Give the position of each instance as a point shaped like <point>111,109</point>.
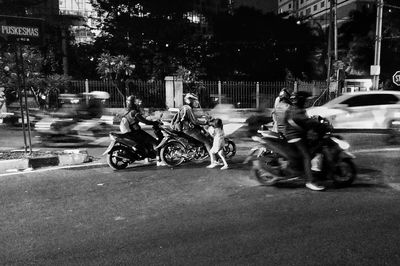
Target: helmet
<point>284,94</point>
<point>299,98</point>
<point>300,95</point>
<point>191,97</point>
<point>130,102</point>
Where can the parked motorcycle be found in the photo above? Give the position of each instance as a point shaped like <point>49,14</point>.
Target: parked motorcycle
<point>177,147</point>
<point>124,149</point>
<point>274,160</point>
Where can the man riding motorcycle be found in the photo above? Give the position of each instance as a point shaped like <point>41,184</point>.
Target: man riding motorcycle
<point>130,125</point>
<point>191,125</point>
<point>297,124</point>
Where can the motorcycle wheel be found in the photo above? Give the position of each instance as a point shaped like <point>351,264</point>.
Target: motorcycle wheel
<point>229,148</point>
<point>116,159</point>
<point>172,153</point>
<point>263,176</point>
<point>345,173</point>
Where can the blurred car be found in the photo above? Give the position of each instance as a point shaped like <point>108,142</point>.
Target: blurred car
<point>368,110</point>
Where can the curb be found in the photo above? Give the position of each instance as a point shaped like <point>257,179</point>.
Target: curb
<point>68,157</point>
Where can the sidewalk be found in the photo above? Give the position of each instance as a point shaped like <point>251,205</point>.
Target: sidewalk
<point>11,139</point>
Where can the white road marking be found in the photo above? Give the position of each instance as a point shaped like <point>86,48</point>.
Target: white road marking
<point>376,150</point>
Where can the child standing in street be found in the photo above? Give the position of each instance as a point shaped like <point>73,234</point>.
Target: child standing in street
<point>217,131</point>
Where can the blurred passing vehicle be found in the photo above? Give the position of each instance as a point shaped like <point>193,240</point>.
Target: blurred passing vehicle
<point>367,111</point>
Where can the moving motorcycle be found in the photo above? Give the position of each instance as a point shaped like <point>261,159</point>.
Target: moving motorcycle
<point>124,149</point>
<point>65,131</point>
<point>177,147</point>
<point>276,161</point>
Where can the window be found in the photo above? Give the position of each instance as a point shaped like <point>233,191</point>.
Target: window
<point>322,4</point>
<point>290,6</point>
<point>371,99</point>
<point>308,11</point>
<point>301,2</point>
<point>315,7</point>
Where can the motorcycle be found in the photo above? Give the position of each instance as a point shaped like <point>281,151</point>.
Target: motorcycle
<point>124,149</point>
<point>65,131</point>
<point>178,147</point>
<point>275,161</point>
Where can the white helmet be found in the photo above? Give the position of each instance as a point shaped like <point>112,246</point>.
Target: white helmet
<point>191,97</point>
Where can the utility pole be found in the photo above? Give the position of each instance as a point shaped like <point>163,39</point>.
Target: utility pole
<point>378,39</point>
<point>335,32</point>
<point>329,53</point>
<point>335,39</point>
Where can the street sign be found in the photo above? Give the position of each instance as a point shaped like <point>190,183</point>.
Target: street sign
<point>396,78</point>
<point>375,70</point>
<point>22,30</point>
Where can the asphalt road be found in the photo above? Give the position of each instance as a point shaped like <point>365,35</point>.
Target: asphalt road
<point>196,216</point>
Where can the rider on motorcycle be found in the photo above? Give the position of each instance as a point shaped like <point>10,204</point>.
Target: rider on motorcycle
<point>297,123</point>
<point>190,124</point>
<point>282,103</point>
<point>130,125</point>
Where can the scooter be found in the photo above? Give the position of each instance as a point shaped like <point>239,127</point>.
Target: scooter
<point>124,149</point>
<point>276,161</point>
<point>178,147</point>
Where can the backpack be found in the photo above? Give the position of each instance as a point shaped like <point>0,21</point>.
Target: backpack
<point>176,123</point>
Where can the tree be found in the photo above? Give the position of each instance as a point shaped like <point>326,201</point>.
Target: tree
<point>18,7</point>
<point>156,34</point>
<point>36,80</point>
<point>357,41</point>
<point>117,69</point>
<point>249,47</point>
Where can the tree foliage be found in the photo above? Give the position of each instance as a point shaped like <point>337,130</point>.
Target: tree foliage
<point>18,7</point>
<point>245,45</point>
<point>357,41</point>
<point>37,71</point>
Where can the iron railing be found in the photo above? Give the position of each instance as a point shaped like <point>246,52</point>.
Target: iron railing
<point>239,94</point>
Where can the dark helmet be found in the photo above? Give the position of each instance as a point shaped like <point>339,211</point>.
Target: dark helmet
<point>299,98</point>
<point>284,94</point>
<point>130,102</point>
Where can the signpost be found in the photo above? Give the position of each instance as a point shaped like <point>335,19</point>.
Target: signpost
<point>396,78</point>
<point>21,31</point>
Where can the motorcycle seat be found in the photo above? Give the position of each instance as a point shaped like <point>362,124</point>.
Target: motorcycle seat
<point>119,134</point>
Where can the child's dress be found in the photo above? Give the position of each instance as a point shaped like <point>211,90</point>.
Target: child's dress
<point>218,142</point>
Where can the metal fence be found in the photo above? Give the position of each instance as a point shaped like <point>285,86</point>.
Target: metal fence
<point>251,95</point>
<point>152,93</point>
<point>240,94</point>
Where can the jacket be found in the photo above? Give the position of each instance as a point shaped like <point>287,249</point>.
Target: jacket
<point>130,121</point>
<point>189,120</point>
<point>297,123</point>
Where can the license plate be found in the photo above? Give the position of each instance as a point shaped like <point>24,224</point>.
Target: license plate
<point>109,147</point>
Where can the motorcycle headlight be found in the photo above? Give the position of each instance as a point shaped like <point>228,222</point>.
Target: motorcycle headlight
<point>112,136</point>
<point>344,145</point>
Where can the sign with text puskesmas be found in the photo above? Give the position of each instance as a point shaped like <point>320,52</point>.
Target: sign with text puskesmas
<point>21,30</point>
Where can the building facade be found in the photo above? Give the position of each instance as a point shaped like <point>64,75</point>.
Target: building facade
<point>264,6</point>
<point>319,9</point>
<point>85,32</point>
